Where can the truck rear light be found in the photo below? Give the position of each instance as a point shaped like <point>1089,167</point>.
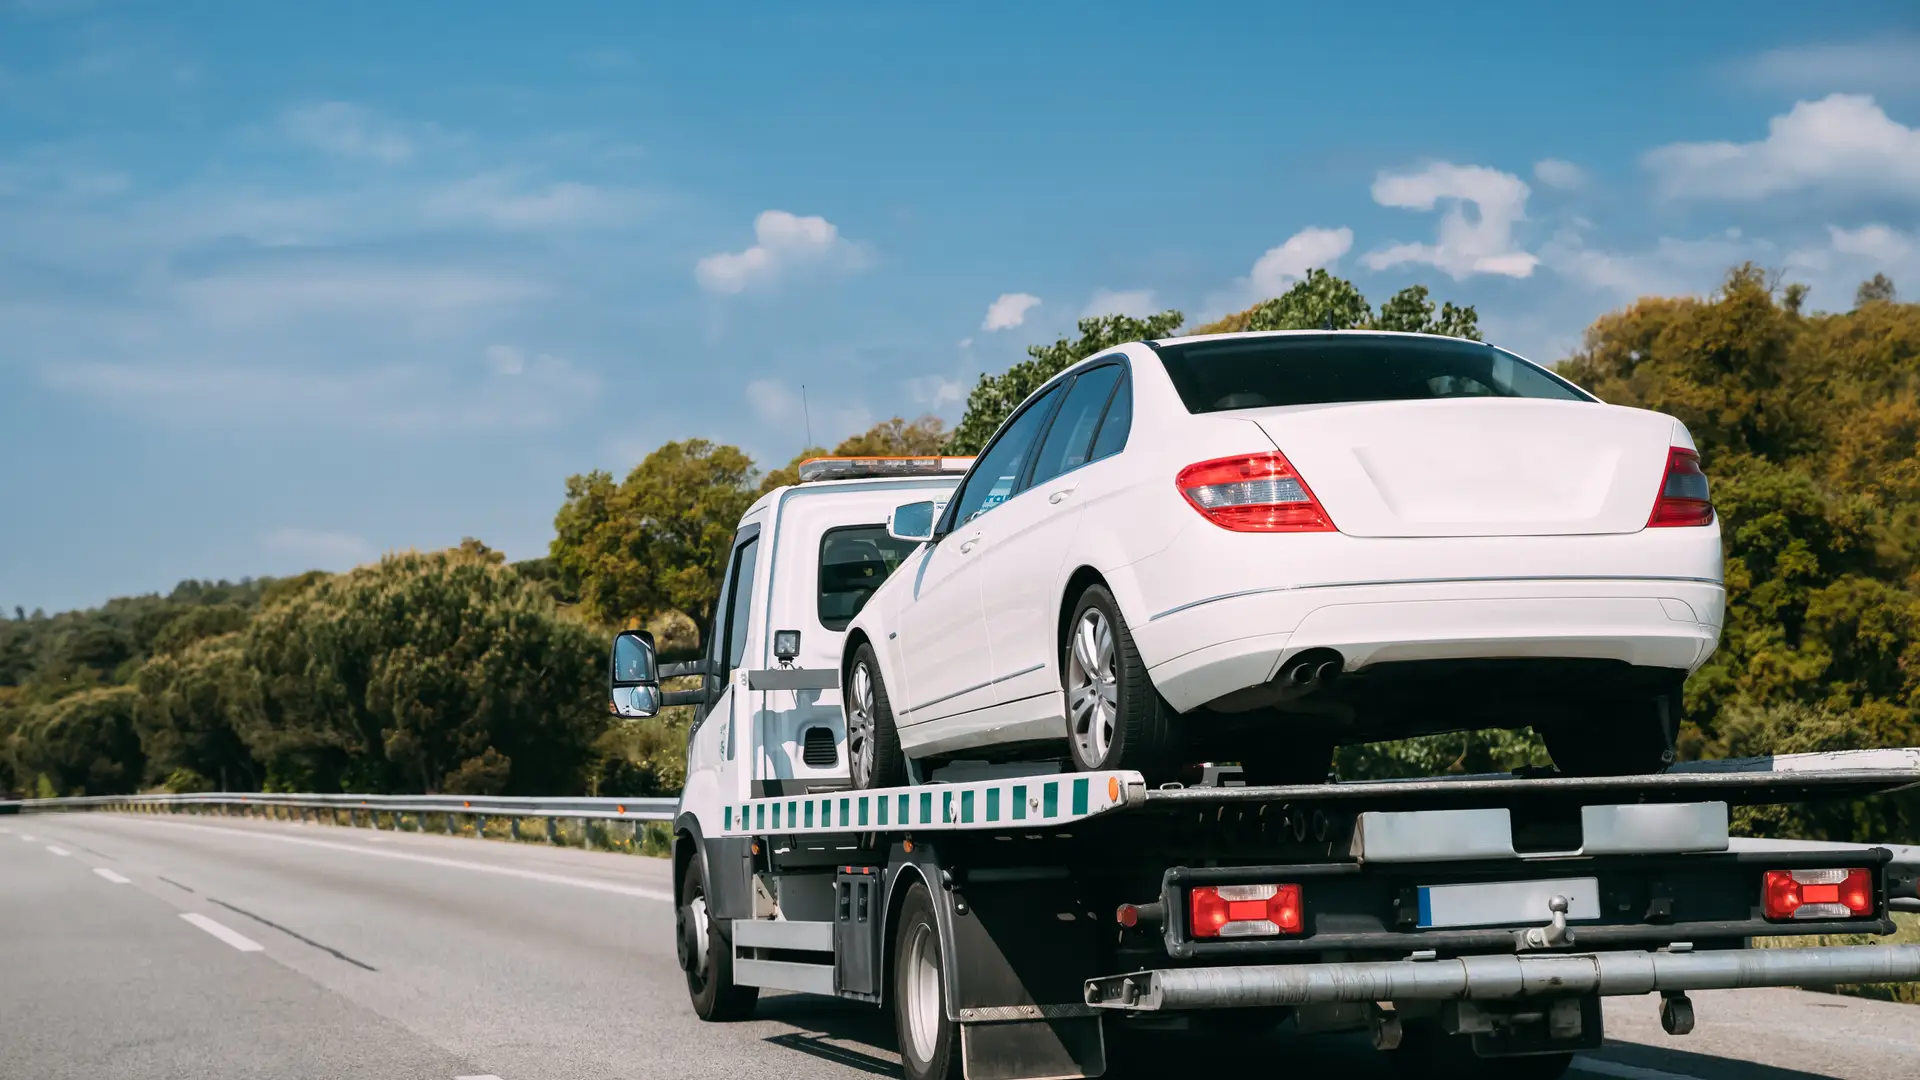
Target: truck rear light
<point>1818,894</point>
<point>1227,911</point>
<point>1684,498</point>
<point>1253,493</point>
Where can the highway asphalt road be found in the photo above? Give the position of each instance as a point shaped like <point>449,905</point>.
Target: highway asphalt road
<point>161,947</point>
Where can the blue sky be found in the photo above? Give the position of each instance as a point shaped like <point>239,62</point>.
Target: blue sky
<point>285,286</point>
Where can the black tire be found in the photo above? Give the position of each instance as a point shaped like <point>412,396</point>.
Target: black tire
<point>1427,1053</point>
<point>1615,738</point>
<point>874,759</point>
<point>1144,729</point>
<point>709,977</point>
<point>930,1048</point>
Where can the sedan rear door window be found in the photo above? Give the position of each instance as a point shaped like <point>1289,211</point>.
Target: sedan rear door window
<point>1069,441</point>
<point>1324,369</point>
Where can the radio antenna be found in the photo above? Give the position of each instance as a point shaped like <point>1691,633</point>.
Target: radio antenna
<point>807,413</point>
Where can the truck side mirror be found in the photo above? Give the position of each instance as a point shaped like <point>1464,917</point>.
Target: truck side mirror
<point>914,521</point>
<point>633,676</point>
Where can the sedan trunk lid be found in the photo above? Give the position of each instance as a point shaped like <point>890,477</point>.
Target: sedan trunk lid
<point>1476,466</point>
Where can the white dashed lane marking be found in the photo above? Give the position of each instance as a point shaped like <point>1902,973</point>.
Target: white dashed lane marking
<point>482,1076</point>
<point>28,837</point>
<point>117,879</point>
<point>58,850</point>
<point>232,937</point>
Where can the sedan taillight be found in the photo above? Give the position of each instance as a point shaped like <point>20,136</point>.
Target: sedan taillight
<point>1683,498</point>
<point>1253,493</point>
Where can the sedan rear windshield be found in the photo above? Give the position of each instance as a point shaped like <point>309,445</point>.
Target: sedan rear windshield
<point>1256,373</point>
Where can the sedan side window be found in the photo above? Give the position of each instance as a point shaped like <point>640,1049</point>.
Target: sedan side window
<point>1118,421</point>
<point>997,474</point>
<point>1069,441</point>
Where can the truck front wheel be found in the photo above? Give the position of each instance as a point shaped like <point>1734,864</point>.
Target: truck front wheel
<point>929,1042</point>
<point>706,952</point>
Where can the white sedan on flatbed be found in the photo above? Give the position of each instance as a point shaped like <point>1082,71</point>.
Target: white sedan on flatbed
<point>1256,547</point>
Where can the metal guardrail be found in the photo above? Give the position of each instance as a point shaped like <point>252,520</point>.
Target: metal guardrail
<point>478,807</point>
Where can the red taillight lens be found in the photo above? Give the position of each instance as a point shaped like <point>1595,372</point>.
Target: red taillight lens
<point>1684,499</point>
<point>1253,493</point>
<point>1817,894</point>
<point>1224,911</point>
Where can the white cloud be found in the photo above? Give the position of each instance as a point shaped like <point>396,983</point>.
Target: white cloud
<point>1880,243</point>
<point>347,130</point>
<point>1482,244</point>
<point>397,397</point>
<point>1841,141</point>
<point>506,359</point>
<point>1886,64</point>
<point>1135,302</point>
<point>1009,310</point>
<point>323,548</point>
<point>1556,173</point>
<point>936,393</point>
<point>1671,267</point>
<point>1310,248</point>
<point>265,293</point>
<point>782,408</point>
<point>496,200</point>
<point>784,240</point>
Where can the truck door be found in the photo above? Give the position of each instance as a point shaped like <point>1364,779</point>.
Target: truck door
<point>711,744</point>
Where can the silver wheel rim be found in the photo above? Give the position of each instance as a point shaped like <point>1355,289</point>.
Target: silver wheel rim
<point>923,992</point>
<point>697,916</point>
<point>1093,690</point>
<point>860,727</point>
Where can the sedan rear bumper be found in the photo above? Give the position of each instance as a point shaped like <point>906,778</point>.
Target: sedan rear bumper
<point>1202,651</point>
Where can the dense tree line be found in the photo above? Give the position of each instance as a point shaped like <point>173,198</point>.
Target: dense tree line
<point>453,671</point>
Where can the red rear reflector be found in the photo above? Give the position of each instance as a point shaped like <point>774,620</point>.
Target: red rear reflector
<point>1817,894</point>
<point>1684,498</point>
<point>1223,911</point>
<point>1253,493</point>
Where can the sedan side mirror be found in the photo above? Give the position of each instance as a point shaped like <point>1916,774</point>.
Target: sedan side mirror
<point>914,521</point>
<point>634,676</point>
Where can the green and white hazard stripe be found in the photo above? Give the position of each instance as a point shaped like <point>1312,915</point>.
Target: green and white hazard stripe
<point>1021,802</point>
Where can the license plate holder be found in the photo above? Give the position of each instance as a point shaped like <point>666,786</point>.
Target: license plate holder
<point>1507,903</point>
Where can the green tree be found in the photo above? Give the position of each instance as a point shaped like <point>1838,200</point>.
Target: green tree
<point>1877,289</point>
<point>196,707</point>
<point>444,671</point>
<point>1321,301</point>
<point>658,539</point>
<point>85,743</point>
<point>996,396</point>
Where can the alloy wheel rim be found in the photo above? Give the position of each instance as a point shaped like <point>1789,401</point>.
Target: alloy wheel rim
<point>860,727</point>
<point>1093,688</point>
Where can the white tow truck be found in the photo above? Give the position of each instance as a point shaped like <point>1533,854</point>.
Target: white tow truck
<point>1014,916</point>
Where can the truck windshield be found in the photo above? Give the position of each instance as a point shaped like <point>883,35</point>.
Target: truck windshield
<point>853,563</point>
<point>1317,369</point>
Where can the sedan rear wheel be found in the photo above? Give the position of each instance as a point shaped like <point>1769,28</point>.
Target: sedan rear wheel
<point>1115,718</point>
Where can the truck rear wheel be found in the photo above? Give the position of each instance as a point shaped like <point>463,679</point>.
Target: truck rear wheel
<point>929,1041</point>
<point>874,759</point>
<point>1115,718</point>
<point>706,952</point>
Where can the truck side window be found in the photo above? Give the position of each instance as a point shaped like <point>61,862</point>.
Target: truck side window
<point>853,562</point>
<point>739,600</point>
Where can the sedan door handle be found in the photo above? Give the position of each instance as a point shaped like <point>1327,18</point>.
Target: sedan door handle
<point>967,544</point>
<point>1060,496</point>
